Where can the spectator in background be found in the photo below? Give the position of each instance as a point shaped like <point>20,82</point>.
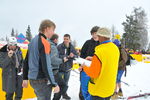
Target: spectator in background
<point>66,51</point>
<point>143,51</point>
<point>137,52</point>
<point>131,51</point>
<point>11,62</point>
<point>129,57</point>
<point>121,69</point>
<point>56,61</point>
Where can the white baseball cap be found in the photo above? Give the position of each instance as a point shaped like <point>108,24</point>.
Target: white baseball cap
<point>12,41</point>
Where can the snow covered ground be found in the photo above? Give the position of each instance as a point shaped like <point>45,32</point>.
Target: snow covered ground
<point>136,82</point>
<point>137,79</point>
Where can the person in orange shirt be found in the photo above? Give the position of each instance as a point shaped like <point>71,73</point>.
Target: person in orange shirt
<point>104,67</point>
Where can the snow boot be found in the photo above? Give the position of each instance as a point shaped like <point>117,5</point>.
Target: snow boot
<point>114,96</point>
<point>120,93</point>
<point>66,97</point>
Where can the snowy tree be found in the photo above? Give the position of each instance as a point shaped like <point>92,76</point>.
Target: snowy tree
<point>2,39</point>
<point>16,33</point>
<point>114,31</point>
<point>6,38</point>
<point>74,43</point>
<point>12,32</point>
<point>28,34</point>
<point>135,27</point>
<point>149,47</point>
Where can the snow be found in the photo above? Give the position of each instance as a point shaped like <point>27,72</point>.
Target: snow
<point>137,79</point>
<point>136,82</point>
<point>74,84</point>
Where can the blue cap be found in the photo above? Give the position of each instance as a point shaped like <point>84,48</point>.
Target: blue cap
<point>117,42</point>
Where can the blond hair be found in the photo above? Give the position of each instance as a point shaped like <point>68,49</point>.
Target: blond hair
<point>46,23</point>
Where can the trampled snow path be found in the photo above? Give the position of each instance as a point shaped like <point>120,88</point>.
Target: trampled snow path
<point>137,81</point>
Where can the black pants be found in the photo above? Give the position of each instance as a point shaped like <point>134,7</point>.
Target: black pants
<point>62,84</point>
<point>18,92</point>
<point>99,98</point>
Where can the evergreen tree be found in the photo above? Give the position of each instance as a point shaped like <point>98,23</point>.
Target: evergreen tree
<point>74,43</point>
<point>148,47</point>
<point>16,33</point>
<point>6,38</point>
<point>2,39</point>
<point>12,32</point>
<point>28,34</point>
<point>135,27</point>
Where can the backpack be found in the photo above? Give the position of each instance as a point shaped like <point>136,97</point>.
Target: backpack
<point>123,57</point>
<point>123,60</point>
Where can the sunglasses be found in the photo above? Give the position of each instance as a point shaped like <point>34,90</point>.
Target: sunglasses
<point>12,45</point>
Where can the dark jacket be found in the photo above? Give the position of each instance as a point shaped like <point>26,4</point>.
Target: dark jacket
<point>37,64</point>
<point>129,59</point>
<point>88,48</point>
<point>61,49</point>
<point>55,60</point>
<point>9,71</point>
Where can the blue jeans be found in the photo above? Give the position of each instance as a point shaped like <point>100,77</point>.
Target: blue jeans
<point>84,85</point>
<point>41,89</point>
<point>119,75</point>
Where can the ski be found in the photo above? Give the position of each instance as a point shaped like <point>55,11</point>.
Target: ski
<point>125,83</point>
<point>138,96</point>
<point>121,98</point>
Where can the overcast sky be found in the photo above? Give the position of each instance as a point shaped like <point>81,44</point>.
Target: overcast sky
<point>75,17</point>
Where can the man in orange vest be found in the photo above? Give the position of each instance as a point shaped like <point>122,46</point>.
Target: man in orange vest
<point>104,67</point>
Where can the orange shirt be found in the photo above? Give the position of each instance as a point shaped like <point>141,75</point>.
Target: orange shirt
<point>94,70</point>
